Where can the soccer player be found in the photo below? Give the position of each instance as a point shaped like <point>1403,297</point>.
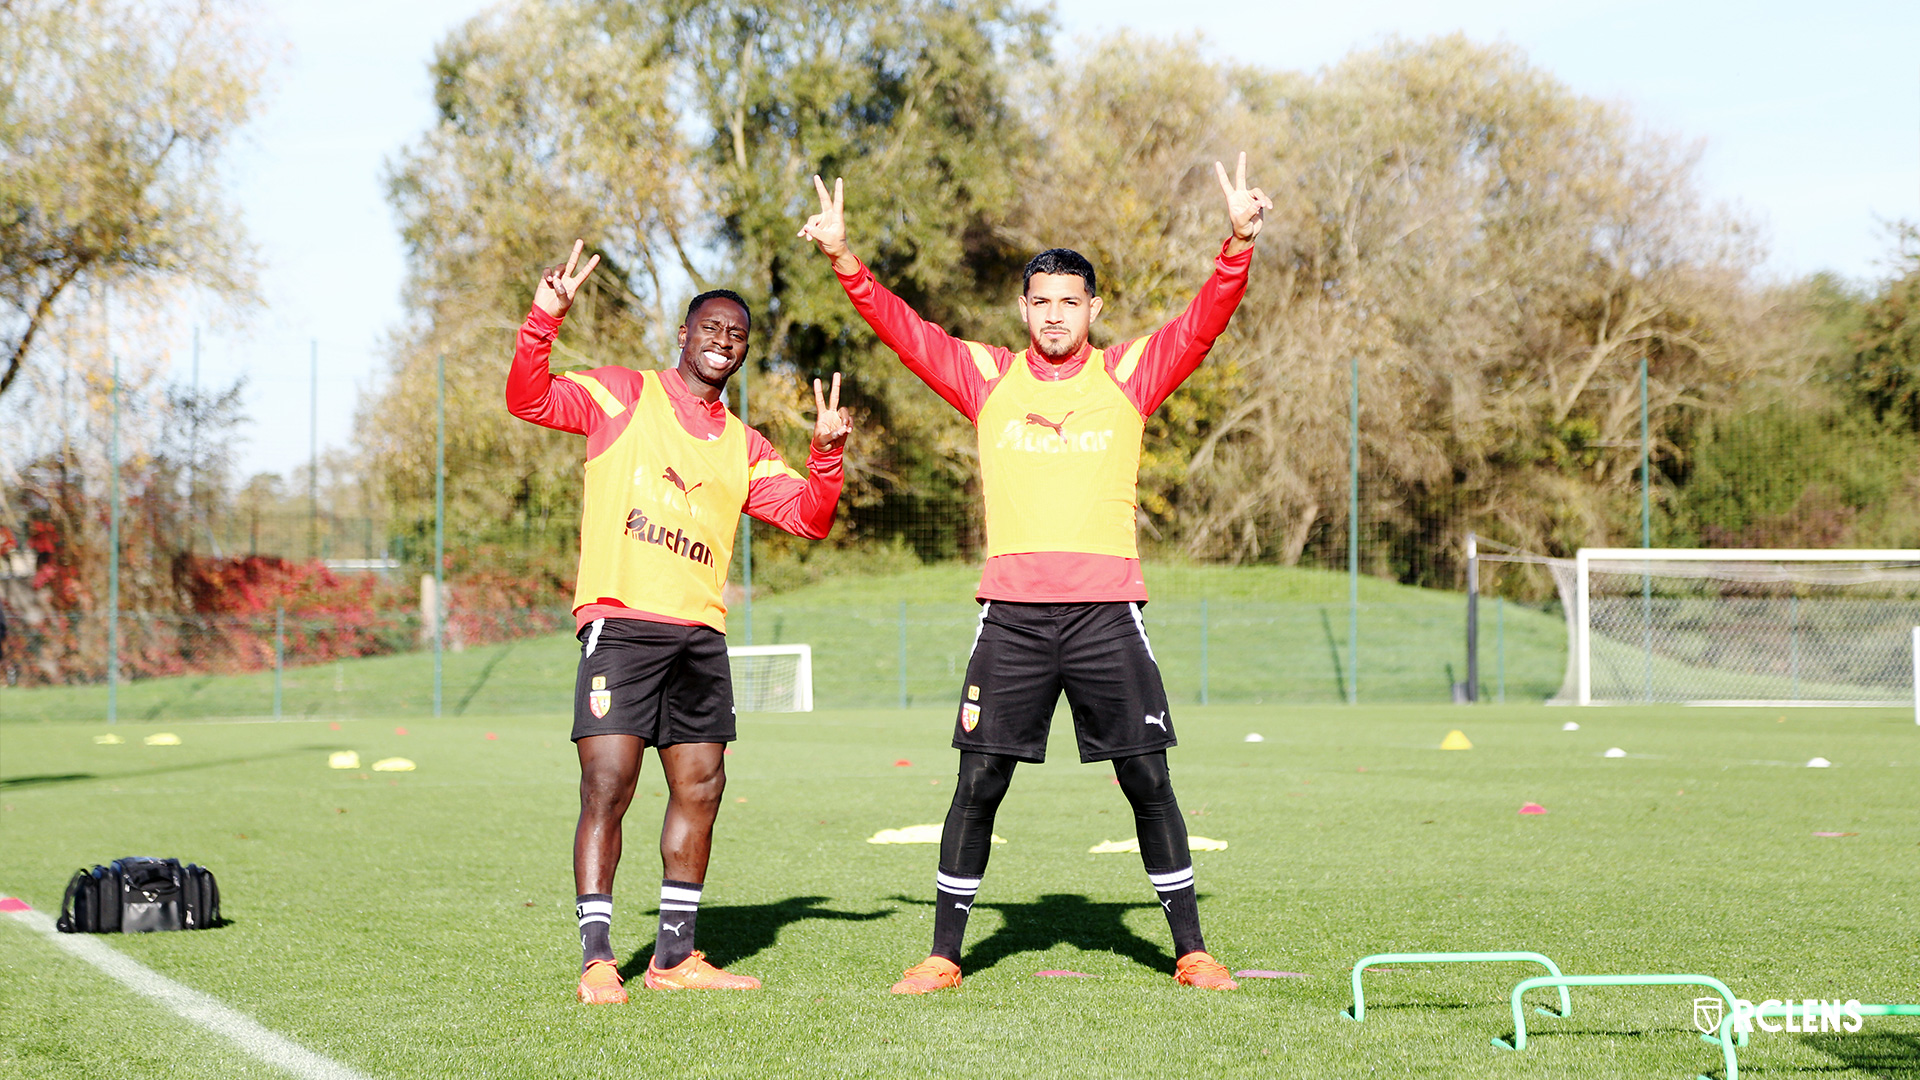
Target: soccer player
<point>1059,426</point>
<point>668,472</point>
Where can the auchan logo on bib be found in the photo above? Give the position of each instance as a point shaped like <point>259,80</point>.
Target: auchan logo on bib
<point>1036,434</point>
<point>677,541</point>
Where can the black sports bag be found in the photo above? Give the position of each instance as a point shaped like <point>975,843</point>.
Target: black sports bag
<point>137,894</point>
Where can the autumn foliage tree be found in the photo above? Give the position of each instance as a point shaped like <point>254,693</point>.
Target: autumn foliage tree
<point>1497,253</point>
<point>113,118</point>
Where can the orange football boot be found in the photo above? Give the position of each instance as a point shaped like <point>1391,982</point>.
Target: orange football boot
<point>694,973</point>
<point>933,973</point>
<point>600,984</point>
<point>1199,968</point>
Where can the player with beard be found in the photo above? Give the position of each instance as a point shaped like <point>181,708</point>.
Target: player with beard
<point>1059,425</point>
<point>668,472</point>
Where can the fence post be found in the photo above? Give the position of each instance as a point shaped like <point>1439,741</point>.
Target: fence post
<point>1473,618</point>
<point>1353,536</point>
<point>1646,529</point>
<point>1203,650</point>
<point>279,653</point>
<point>113,526</point>
<point>903,654</point>
<point>439,528</point>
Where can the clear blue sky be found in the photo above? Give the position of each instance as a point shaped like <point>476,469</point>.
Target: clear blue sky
<point>1810,113</point>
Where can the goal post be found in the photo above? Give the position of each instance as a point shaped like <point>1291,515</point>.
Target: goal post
<point>1707,626</point>
<point>771,678</point>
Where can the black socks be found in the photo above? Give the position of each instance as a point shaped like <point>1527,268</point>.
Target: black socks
<point>679,907</point>
<point>595,912</point>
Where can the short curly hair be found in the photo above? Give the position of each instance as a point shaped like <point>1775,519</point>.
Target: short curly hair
<point>1059,261</point>
<point>693,305</point>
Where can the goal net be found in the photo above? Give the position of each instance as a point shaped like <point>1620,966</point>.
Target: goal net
<point>1740,627</point>
<point>772,678</point>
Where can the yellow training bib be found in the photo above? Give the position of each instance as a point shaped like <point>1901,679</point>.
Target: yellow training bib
<point>1059,462</point>
<point>662,508</point>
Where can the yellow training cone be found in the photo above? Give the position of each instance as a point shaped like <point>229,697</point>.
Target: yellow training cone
<point>164,738</point>
<point>343,759</point>
<point>393,764</point>
<point>1455,740</point>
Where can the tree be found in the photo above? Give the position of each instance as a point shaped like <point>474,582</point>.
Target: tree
<point>113,115</point>
<point>1496,252</point>
<point>1886,354</point>
<point>554,123</point>
<point>565,118</point>
<point>911,100</point>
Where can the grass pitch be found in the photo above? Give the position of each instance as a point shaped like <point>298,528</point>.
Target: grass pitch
<point>420,924</point>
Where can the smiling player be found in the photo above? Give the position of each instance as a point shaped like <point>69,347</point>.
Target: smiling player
<point>1059,426</point>
<point>669,471</point>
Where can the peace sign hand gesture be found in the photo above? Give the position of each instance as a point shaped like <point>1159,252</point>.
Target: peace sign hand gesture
<point>1243,206</point>
<point>559,284</point>
<point>828,228</point>
<point>834,423</point>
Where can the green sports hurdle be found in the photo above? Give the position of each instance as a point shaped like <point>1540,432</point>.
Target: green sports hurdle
<point>1564,981</point>
<point>1727,1033</point>
<point>1359,1009</point>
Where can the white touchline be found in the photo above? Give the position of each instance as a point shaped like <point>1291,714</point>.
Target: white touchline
<point>207,1012</point>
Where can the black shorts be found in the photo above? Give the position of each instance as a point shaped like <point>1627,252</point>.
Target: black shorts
<point>1026,654</point>
<point>667,684</point>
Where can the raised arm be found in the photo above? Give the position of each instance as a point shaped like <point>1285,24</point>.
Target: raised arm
<point>1153,367</point>
<point>959,371</point>
<point>533,394</point>
<point>778,495</point>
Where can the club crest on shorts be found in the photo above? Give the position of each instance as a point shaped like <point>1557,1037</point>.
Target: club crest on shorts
<point>969,716</point>
<point>599,702</point>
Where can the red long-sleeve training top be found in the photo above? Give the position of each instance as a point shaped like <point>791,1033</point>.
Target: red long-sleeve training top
<point>948,365</point>
<point>775,493</point>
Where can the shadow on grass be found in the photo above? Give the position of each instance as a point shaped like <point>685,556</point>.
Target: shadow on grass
<point>1891,1054</point>
<point>14,783</point>
<point>1333,650</point>
<point>1063,919</point>
<point>730,934</point>
<point>481,680</point>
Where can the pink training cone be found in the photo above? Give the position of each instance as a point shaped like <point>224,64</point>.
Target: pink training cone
<point>8,903</point>
<point>1533,808</point>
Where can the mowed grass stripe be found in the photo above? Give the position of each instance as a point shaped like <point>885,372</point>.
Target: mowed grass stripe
<point>200,1009</point>
<point>419,924</point>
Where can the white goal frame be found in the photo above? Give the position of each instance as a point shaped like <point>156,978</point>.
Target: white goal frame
<point>803,689</point>
<point>1581,647</point>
